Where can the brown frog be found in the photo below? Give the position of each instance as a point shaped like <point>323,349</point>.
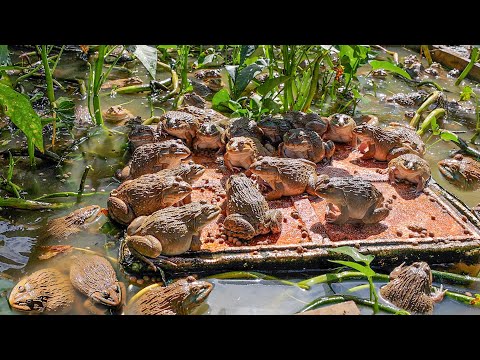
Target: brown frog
<point>242,151</point>
<point>306,144</point>
<point>74,222</point>
<point>340,129</point>
<point>209,136</point>
<point>410,288</point>
<point>145,195</point>
<point>212,78</point>
<point>134,80</point>
<point>150,158</point>
<point>462,171</point>
<point>94,277</point>
<point>286,176</point>
<point>206,115</point>
<point>356,199</point>
<point>178,298</point>
<point>179,124</point>
<point>193,99</point>
<point>274,128</point>
<point>143,134</point>
<point>46,290</point>
<point>242,127</point>
<point>385,144</point>
<point>310,121</point>
<point>247,212</point>
<point>411,99</point>
<point>411,168</point>
<point>169,231</point>
<point>117,114</point>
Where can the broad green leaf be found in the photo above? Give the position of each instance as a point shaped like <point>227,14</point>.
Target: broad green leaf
<point>448,136</point>
<point>244,77</point>
<point>363,269</point>
<point>246,51</point>
<point>65,109</point>
<point>347,54</point>
<point>232,71</point>
<point>271,84</point>
<point>353,253</point>
<point>148,57</point>
<point>376,64</point>
<point>18,108</point>
<point>4,56</point>
<point>466,93</point>
<point>220,97</point>
<point>271,105</point>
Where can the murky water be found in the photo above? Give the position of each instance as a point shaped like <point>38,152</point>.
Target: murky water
<point>21,231</point>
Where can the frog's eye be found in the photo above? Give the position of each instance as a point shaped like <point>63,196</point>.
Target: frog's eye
<point>203,202</point>
<point>241,143</point>
<point>117,289</point>
<point>29,302</point>
<point>265,163</point>
<point>191,162</point>
<point>458,157</point>
<point>191,279</point>
<point>178,178</point>
<point>21,288</point>
<point>105,294</point>
<point>173,146</point>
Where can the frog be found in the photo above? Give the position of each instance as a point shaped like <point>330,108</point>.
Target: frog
<point>150,158</point>
<point>310,121</point>
<point>415,98</point>
<point>193,99</point>
<point>46,290</point>
<point>170,231</point>
<point>286,176</point>
<point>340,129</point>
<point>209,135</point>
<point>133,80</point>
<point>242,151</point>
<point>202,115</point>
<point>181,297</point>
<point>462,171</point>
<point>306,144</point>
<point>411,168</point>
<point>274,128</point>
<point>117,114</point>
<point>242,126</point>
<point>413,66</point>
<point>410,288</point>
<point>212,78</point>
<point>179,124</point>
<point>246,210</point>
<point>145,195</point>
<point>143,134</point>
<point>94,277</point>
<point>77,221</point>
<point>357,200</point>
<point>384,144</point>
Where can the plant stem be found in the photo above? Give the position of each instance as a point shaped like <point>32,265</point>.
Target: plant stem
<point>253,275</point>
<point>455,278</point>
<point>50,90</point>
<point>333,299</point>
<point>473,59</point>
<point>338,277</point>
<point>66,194</point>
<point>82,182</point>
<point>429,101</point>
<point>97,83</point>
<point>30,204</point>
<point>435,114</point>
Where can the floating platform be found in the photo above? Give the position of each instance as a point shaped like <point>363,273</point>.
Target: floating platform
<point>432,226</point>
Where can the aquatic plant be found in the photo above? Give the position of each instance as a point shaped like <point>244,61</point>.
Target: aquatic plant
<point>465,95</point>
<point>7,183</point>
<point>474,56</point>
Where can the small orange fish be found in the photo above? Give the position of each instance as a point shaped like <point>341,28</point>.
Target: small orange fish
<point>339,72</point>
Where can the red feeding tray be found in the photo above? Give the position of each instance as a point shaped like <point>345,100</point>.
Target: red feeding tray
<point>433,226</point>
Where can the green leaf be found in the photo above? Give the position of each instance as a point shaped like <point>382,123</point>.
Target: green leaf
<point>446,135</point>
<point>385,65</point>
<point>166,46</point>
<point>246,51</point>
<point>466,93</point>
<point>4,56</point>
<point>271,84</point>
<point>271,106</point>
<point>244,77</point>
<point>148,57</point>
<point>65,109</point>
<point>220,97</point>
<point>18,108</point>
<point>363,269</point>
<point>353,253</point>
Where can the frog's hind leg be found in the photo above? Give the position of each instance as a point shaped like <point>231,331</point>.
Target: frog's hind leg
<point>375,215</point>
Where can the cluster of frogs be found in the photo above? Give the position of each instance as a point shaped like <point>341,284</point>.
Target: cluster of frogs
<point>154,202</point>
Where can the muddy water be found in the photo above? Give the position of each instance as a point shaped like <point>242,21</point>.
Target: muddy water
<point>21,231</point>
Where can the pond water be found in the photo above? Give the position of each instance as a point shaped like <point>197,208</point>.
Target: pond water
<point>21,231</point>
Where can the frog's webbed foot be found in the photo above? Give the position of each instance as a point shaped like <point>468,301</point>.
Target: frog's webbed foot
<point>94,308</point>
<point>377,215</point>
<point>438,294</point>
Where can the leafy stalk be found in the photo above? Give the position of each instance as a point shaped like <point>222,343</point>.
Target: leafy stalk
<point>473,59</point>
